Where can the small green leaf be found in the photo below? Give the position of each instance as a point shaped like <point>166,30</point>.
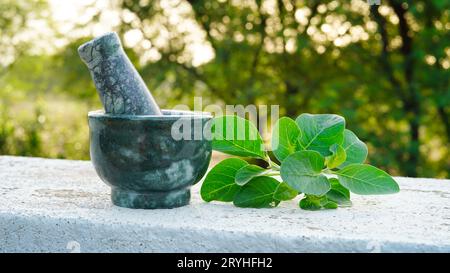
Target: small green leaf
<point>330,205</point>
<point>366,179</point>
<point>285,136</point>
<point>246,173</point>
<point>338,193</point>
<point>337,156</point>
<point>319,132</point>
<point>355,149</point>
<point>284,192</point>
<point>219,182</point>
<point>302,171</point>
<point>308,204</point>
<point>258,193</point>
<point>237,136</point>
<point>311,202</point>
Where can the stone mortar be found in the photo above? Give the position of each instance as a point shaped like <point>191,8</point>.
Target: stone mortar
<point>144,160</point>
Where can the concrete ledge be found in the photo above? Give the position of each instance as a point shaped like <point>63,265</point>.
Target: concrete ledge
<point>61,206</point>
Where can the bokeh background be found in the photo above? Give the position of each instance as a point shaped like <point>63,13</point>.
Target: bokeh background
<point>384,68</point>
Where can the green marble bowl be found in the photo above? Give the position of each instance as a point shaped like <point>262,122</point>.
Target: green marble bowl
<point>145,162</point>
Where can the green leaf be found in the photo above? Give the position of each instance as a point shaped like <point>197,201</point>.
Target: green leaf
<point>337,156</point>
<point>338,193</point>
<point>319,132</point>
<point>366,179</point>
<point>246,173</point>
<point>237,136</point>
<point>355,149</point>
<point>308,204</point>
<point>258,193</point>
<point>284,192</point>
<point>302,171</point>
<point>330,205</point>
<point>219,182</point>
<point>311,202</point>
<point>285,136</point>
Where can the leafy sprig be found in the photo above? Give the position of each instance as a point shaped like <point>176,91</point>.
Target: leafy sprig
<point>319,159</point>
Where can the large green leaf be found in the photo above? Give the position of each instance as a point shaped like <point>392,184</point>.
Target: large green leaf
<point>338,193</point>
<point>366,179</point>
<point>285,136</point>
<point>246,173</point>
<point>355,149</point>
<point>319,132</point>
<point>258,193</point>
<point>302,171</point>
<point>337,156</point>
<point>237,136</point>
<point>284,192</point>
<point>219,182</point>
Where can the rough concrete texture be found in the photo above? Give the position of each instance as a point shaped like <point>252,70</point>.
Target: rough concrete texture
<point>62,206</point>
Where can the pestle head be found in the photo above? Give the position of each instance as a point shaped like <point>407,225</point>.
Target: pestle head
<point>120,87</point>
<point>100,48</point>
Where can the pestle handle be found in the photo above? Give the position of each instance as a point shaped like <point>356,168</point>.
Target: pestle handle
<point>120,87</point>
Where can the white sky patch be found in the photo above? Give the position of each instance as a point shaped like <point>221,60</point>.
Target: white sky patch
<point>201,54</point>
<point>133,37</point>
<point>68,13</point>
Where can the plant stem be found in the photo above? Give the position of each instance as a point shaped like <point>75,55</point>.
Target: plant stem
<point>272,164</point>
<point>272,173</point>
<point>275,166</point>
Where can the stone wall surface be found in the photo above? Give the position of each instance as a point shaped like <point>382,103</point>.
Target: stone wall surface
<point>49,205</point>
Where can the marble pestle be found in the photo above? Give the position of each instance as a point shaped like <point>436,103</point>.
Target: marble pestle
<point>120,87</point>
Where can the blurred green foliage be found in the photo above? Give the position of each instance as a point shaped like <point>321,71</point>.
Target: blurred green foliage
<point>385,68</point>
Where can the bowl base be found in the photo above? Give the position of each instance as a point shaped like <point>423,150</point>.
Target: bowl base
<point>150,199</point>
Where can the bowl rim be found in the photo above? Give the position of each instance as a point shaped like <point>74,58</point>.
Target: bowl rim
<point>166,115</point>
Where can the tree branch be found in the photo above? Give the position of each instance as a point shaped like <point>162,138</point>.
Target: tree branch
<point>199,14</point>
<point>385,58</point>
<point>412,104</point>
<point>262,31</point>
<point>304,33</point>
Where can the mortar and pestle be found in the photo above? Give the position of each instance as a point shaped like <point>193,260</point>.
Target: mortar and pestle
<point>132,146</point>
